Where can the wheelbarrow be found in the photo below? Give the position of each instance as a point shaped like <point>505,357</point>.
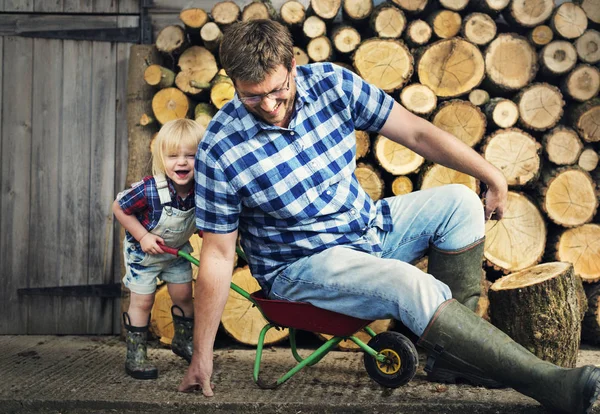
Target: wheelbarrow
<point>390,358</point>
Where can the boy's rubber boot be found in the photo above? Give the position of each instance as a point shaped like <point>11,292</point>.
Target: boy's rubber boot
<point>461,270</point>
<point>463,340</point>
<point>137,364</point>
<point>182,344</point>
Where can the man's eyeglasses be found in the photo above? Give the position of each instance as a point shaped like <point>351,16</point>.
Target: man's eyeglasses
<point>276,94</point>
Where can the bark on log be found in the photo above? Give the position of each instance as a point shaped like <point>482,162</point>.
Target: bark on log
<point>540,35</point>
<point>419,99</point>
<point>451,67</point>
<point>562,146</point>
<point>395,158</point>
<point>171,41</point>
<point>529,13</point>
<point>387,21</point>
<point>461,119</point>
<point>386,63</point>
<point>418,33</point>
<point>204,112</point>
<point>568,196</point>
<point>211,36</point>
<point>370,179</point>
<point>585,119</point>
<point>579,246</point>
<point>222,90</point>
<point>502,112</point>
<point>540,308</point>
<point>193,19</point>
<point>588,47</point>
<point>590,327</point>
<point>345,39</point>
<point>241,319</point>
<point>518,240</point>
<point>557,58</point>
<point>156,75</point>
<point>320,49</point>
<point>516,154</point>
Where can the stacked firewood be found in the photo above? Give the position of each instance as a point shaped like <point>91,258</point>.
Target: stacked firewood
<point>516,80</point>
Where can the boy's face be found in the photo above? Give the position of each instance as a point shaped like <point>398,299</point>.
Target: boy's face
<point>179,167</point>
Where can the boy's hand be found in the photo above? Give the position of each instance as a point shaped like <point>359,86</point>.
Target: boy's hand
<point>149,243</point>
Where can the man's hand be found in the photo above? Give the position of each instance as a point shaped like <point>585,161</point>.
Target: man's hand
<point>198,376</point>
<point>494,201</point>
<point>149,243</point>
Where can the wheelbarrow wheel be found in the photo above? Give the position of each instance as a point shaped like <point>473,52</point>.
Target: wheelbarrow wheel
<point>401,361</point>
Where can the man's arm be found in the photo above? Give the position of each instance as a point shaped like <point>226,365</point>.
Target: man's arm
<point>212,289</point>
<point>444,148</point>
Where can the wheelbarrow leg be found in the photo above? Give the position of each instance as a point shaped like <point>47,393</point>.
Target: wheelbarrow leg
<point>312,359</point>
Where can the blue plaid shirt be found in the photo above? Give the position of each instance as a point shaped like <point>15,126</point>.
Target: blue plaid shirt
<point>292,191</point>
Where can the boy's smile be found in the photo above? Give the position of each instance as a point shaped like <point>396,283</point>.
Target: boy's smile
<point>179,167</point>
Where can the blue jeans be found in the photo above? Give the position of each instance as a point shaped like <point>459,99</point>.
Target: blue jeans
<point>386,285</point>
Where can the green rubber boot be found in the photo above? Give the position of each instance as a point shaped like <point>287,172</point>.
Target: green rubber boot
<point>182,344</point>
<point>466,342</point>
<point>461,271</point>
<point>137,364</point>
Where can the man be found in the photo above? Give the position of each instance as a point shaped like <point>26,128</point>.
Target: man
<point>277,166</point>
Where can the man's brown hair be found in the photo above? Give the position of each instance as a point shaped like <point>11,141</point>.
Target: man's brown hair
<point>251,50</point>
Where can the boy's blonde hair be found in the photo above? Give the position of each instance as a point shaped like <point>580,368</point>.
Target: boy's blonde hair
<point>171,136</point>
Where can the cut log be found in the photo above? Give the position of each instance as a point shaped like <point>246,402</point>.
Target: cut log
<point>395,158</point>
<point>479,97</point>
<point>445,23</point>
<point>436,175</point>
<point>363,143</point>
<point>203,113</point>
<point>419,99</point>
<point>579,246</point>
<point>590,327</point>
<point>529,13</point>
<point>461,119</point>
<point>516,154</point>
<point>224,13</point>
<point>241,319</point>
<point>455,5</point>
<point>502,112</point>
<point>540,308</point>
<point>199,58</point>
<point>562,146</point>
<point>591,8</point>
<point>211,36</point>
<point>568,196</point>
<point>146,119</point>
<point>540,35</point>
<point>301,56</point>
<point>411,6</point>
<point>479,28</point>
<point>171,41</point>
<point>156,75</point>
<point>418,33</point>
<point>345,39</point>
<point>385,63</point>
<point>582,83</point>
<point>588,160</point>
<point>320,49</point>
<point>540,106</point>
<point>314,27</point>
<point>193,19</point>
<point>258,10</point>
<point>402,185</point>
<point>370,180</point>
<point>510,62</point>
<point>569,20</point>
<point>326,9</point>
<point>518,240</point>
<point>585,119</point>
<point>192,82</point>
<point>491,7</point>
<point>222,90</point>
<point>557,58</point>
<point>451,67</point>
<point>378,326</point>
<point>357,11</point>
<point>292,14</point>
<point>387,21</point>
<point>588,47</point>
<point>169,104</point>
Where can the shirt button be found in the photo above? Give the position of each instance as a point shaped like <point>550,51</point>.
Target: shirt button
<point>328,192</point>
<point>292,133</point>
<point>353,212</point>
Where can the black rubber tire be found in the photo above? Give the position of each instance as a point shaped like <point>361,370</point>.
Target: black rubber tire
<point>403,361</point>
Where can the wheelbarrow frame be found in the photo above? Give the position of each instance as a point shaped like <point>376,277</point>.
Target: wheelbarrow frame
<point>381,359</point>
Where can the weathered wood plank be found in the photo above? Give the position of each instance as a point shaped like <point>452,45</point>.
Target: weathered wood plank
<point>17,5</point>
<point>46,157</point>
<point>129,6</point>
<point>15,177</point>
<point>48,6</point>
<point>74,181</point>
<point>102,178</point>
<point>14,24</point>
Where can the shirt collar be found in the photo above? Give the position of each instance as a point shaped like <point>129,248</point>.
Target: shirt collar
<point>173,191</point>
